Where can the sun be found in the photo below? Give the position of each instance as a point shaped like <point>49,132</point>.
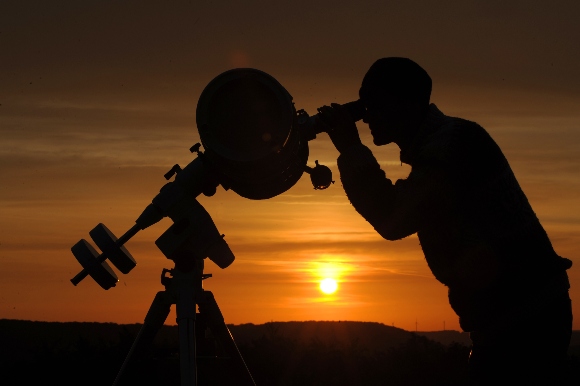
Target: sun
<point>328,286</point>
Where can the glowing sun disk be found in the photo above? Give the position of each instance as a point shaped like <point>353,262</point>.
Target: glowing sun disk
<point>328,286</point>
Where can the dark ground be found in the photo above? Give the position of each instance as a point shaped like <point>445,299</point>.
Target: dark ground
<point>290,353</point>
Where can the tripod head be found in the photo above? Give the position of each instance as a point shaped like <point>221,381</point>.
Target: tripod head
<point>256,144</point>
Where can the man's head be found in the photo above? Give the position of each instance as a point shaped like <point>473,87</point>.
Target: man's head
<point>395,92</point>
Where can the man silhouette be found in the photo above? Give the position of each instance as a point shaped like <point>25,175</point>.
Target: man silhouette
<point>476,227</point>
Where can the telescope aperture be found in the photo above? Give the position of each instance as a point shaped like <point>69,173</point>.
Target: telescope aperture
<point>246,122</point>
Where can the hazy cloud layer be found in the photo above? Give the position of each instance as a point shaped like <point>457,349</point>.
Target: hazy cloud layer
<point>98,98</point>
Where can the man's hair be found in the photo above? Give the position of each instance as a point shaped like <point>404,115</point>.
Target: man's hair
<point>398,78</point>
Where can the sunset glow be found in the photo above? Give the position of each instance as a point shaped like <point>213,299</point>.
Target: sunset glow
<point>96,106</point>
<point>328,286</point>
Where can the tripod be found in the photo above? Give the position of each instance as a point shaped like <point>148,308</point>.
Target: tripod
<point>184,289</point>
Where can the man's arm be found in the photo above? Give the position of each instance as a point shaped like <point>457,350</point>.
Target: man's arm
<point>394,210</point>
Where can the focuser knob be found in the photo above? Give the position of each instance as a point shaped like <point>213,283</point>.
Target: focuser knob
<point>195,148</point>
<point>320,175</point>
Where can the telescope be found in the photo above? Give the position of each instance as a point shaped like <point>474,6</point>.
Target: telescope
<point>255,143</point>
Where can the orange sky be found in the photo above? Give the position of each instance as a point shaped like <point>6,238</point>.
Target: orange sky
<point>97,102</point>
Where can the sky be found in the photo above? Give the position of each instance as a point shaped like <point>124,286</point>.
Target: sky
<point>98,100</point>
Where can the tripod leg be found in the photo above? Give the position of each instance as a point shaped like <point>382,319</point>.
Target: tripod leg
<point>154,320</point>
<point>185,309</point>
<point>215,320</point>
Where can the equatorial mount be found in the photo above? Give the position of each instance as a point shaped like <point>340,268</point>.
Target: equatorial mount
<point>255,144</point>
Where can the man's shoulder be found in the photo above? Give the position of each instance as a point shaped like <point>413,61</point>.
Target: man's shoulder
<point>456,139</point>
<point>455,128</point>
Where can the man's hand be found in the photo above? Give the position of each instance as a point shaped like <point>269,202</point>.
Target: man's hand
<point>340,126</point>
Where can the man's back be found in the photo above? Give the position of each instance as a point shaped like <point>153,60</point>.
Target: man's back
<point>477,229</point>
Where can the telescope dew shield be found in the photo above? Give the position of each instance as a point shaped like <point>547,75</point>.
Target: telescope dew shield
<point>246,122</point>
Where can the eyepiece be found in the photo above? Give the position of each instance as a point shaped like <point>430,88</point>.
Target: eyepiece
<point>355,109</point>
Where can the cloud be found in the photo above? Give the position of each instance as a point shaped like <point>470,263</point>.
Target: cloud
<point>98,100</point>
<point>148,46</point>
